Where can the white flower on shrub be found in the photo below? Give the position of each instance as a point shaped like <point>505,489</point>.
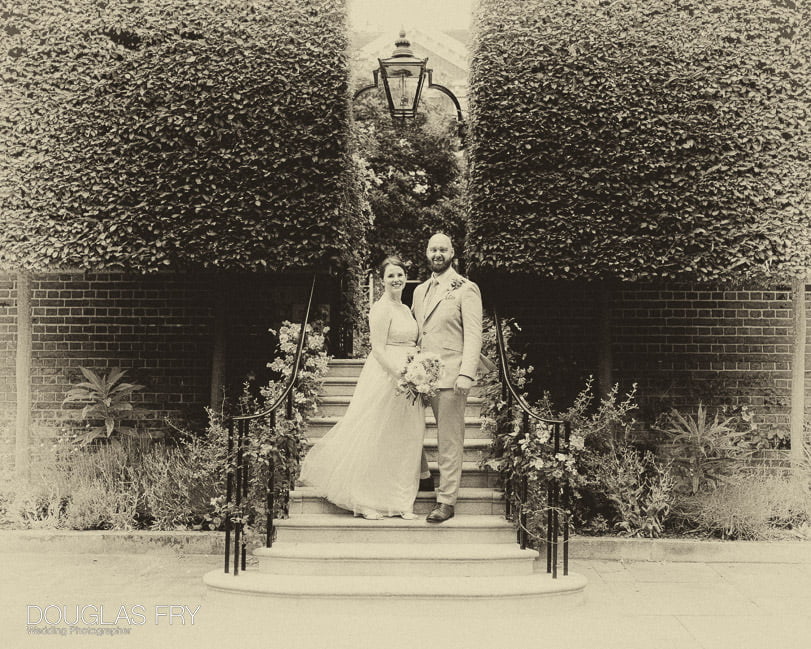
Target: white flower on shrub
<point>542,432</point>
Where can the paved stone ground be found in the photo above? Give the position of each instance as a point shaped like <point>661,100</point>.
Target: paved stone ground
<point>629,606</point>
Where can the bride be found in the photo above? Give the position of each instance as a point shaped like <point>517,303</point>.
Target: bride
<point>369,462</point>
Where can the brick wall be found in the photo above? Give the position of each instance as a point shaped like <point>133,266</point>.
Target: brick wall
<point>160,328</point>
<point>681,343</point>
<point>156,327</point>
<point>686,344</point>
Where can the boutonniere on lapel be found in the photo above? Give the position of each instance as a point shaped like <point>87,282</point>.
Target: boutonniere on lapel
<point>456,282</point>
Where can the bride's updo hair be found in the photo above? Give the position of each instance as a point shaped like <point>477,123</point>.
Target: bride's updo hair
<point>392,260</point>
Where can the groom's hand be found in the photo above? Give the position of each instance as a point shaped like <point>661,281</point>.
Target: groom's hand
<point>462,384</point>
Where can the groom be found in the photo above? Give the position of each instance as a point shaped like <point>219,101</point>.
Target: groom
<point>448,310</point>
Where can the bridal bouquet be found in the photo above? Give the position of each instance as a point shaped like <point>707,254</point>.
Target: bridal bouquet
<point>419,376</point>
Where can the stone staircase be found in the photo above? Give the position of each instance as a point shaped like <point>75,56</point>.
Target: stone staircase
<point>324,555</point>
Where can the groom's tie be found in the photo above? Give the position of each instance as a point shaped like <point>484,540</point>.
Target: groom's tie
<point>429,294</point>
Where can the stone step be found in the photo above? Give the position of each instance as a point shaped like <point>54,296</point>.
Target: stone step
<point>342,375</point>
<point>319,426</point>
<point>404,596</point>
<point>338,386</point>
<point>474,449</point>
<point>336,405</point>
<point>346,528</point>
<point>472,475</point>
<point>471,500</point>
<point>396,559</point>
<point>345,367</point>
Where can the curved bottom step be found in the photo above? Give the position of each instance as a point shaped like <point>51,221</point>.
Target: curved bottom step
<point>401,559</point>
<point>479,595</point>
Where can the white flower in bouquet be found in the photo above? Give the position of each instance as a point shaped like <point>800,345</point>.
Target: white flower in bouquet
<point>419,376</point>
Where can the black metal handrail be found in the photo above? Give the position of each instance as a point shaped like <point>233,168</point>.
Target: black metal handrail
<point>558,496</point>
<point>236,481</point>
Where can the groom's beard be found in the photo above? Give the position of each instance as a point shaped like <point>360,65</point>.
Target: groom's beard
<point>440,267</point>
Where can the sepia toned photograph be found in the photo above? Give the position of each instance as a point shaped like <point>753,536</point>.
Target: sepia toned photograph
<point>476,324</point>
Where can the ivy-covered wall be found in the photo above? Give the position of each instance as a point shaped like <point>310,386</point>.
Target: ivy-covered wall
<point>640,139</point>
<point>175,134</point>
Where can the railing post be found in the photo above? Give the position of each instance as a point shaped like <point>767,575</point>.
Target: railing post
<point>229,480</point>
<point>567,434</point>
<point>245,494</point>
<point>524,490</point>
<point>270,504</point>
<point>549,522</point>
<point>509,487</point>
<point>555,511</point>
<point>238,497</point>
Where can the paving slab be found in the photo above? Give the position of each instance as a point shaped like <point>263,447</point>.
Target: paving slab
<point>756,632</point>
<point>628,605</point>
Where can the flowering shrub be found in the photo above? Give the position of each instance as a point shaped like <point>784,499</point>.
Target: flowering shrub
<point>611,484</point>
<point>282,446</point>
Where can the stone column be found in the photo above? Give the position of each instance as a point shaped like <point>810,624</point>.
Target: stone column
<point>22,445</point>
<point>605,361</point>
<point>798,370</point>
<point>218,352</point>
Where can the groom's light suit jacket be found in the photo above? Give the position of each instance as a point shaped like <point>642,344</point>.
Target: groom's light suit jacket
<point>450,325</point>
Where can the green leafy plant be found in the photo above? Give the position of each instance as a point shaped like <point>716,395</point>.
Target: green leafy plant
<point>638,487</point>
<point>755,435</point>
<point>108,399</point>
<point>704,451</point>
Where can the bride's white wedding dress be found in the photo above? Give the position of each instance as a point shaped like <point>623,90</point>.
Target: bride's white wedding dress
<point>370,459</point>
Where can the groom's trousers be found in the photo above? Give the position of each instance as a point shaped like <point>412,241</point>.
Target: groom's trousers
<point>449,410</point>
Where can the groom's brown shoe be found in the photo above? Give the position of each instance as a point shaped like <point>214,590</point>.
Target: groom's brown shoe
<point>440,513</point>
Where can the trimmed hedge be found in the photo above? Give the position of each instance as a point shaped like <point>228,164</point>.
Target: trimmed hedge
<point>177,134</point>
<point>637,139</point>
